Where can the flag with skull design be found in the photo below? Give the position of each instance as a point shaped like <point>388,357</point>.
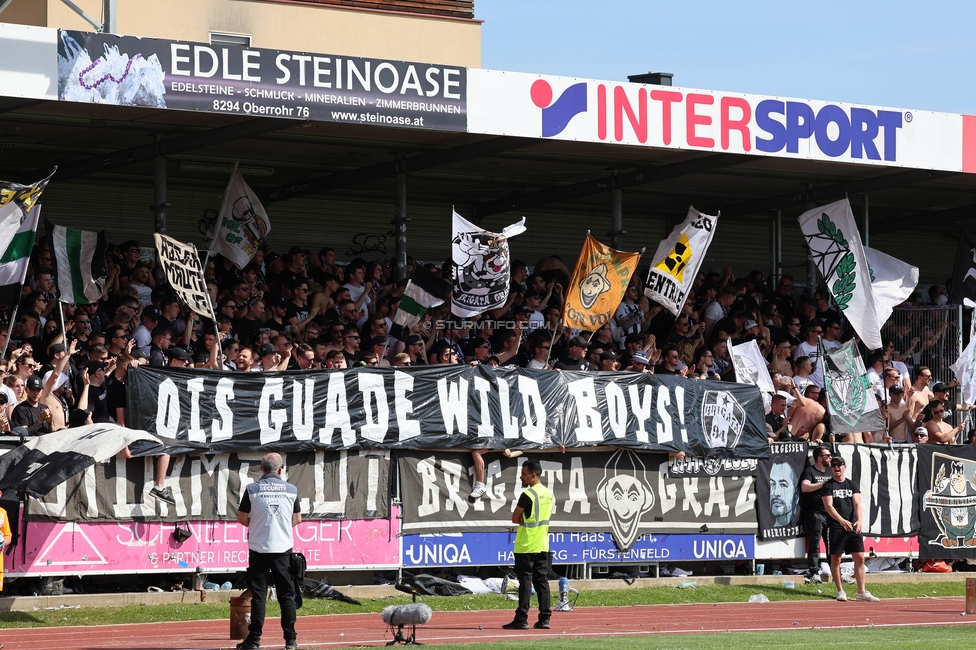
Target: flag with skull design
<point>678,259</point>
<point>599,282</point>
<point>481,270</point>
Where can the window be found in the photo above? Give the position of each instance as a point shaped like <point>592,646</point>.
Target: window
<point>225,38</point>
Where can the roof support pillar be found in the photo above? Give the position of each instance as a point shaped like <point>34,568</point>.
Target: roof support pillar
<point>400,220</point>
<point>617,231</point>
<point>159,185</point>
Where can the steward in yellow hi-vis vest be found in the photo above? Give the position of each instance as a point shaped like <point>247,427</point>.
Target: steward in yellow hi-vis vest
<point>532,563</point>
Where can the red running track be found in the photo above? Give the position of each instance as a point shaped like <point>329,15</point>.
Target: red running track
<point>485,626</point>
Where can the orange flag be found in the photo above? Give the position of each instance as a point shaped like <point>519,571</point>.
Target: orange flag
<point>598,285</point>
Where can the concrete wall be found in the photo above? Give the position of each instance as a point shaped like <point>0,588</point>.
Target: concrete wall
<point>276,25</point>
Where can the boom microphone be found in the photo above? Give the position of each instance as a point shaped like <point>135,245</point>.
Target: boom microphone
<point>412,614</point>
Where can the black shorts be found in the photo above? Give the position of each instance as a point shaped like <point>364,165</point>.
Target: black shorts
<point>845,541</point>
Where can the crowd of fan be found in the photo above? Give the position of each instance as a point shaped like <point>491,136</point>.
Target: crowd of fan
<point>304,311</point>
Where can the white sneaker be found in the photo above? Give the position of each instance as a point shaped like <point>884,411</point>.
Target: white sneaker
<point>842,596</point>
<point>868,597</point>
<point>478,491</point>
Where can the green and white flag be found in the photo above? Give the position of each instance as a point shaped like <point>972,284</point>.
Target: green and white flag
<point>836,247</point>
<point>852,404</point>
<point>15,258</point>
<point>424,291</point>
<point>79,262</point>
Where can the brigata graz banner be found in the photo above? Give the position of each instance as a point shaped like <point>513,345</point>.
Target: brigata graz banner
<point>626,492</point>
<point>445,407</point>
<point>158,73</point>
<point>331,485</point>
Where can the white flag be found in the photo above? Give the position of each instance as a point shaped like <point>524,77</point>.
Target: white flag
<point>183,270</point>
<point>965,369</point>
<point>892,281</point>
<point>835,244</point>
<point>241,224</point>
<point>678,259</point>
<point>481,272</point>
<point>750,368</point>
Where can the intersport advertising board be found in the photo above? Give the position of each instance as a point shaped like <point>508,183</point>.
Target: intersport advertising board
<point>569,108</point>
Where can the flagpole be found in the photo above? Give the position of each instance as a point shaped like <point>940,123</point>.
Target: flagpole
<point>64,330</point>
<point>213,315</point>
<point>552,342</point>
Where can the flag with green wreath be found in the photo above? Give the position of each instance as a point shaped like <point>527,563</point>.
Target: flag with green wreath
<point>835,245</point>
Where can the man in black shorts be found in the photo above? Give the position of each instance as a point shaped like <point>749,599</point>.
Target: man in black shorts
<point>814,515</point>
<point>842,501</point>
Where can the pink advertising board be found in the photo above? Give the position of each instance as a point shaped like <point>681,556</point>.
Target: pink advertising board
<point>73,548</point>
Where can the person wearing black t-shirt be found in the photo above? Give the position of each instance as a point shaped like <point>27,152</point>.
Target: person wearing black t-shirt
<point>574,357</point>
<point>842,500</point>
<point>814,514</point>
<point>98,392</point>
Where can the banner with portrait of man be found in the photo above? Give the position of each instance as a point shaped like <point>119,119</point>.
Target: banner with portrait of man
<point>778,491</point>
<point>598,285</point>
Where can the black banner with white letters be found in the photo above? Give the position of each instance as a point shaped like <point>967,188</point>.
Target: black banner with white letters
<point>691,467</point>
<point>885,474</point>
<point>331,485</point>
<point>626,492</point>
<point>947,501</point>
<point>446,407</point>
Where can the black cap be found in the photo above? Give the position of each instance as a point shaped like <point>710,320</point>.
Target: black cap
<point>34,383</point>
<point>271,257</point>
<point>377,340</point>
<point>896,389</point>
<point>414,340</point>
<point>178,353</point>
<point>266,349</point>
<point>151,313</point>
<point>940,387</point>
<point>57,348</point>
<point>297,250</point>
<point>137,353</point>
<point>609,355</point>
<point>95,366</point>
<point>837,460</point>
<point>578,340</point>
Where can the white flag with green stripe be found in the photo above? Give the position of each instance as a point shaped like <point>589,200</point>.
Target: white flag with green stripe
<point>79,263</point>
<point>423,291</point>
<point>15,258</point>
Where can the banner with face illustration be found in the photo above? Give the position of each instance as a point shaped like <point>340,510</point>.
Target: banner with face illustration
<point>598,285</point>
<point>627,493</point>
<point>677,260</point>
<point>778,491</point>
<point>947,501</point>
<point>482,272</point>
